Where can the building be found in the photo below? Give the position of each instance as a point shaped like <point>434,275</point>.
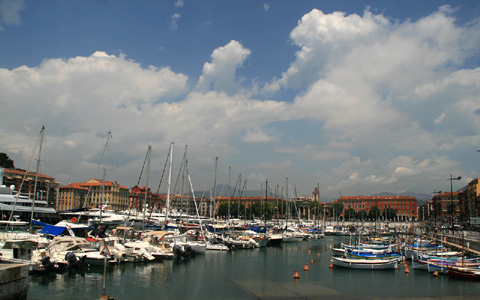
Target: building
<point>97,193</point>
<point>71,196</point>
<point>405,206</point>
<point>472,199</point>
<point>138,198</point>
<point>46,188</point>
<point>442,207</point>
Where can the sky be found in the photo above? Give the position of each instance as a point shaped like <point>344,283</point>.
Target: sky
<point>357,97</point>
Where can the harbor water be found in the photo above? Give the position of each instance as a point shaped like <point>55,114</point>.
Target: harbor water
<point>263,273</point>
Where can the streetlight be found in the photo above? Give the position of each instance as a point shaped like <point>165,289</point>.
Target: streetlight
<point>451,194</point>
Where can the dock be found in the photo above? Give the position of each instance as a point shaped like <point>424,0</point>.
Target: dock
<point>13,280</point>
<point>468,244</point>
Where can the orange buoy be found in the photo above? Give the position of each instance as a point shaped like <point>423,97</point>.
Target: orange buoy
<point>74,220</point>
<point>318,254</point>
<point>305,268</point>
<point>435,273</point>
<point>296,276</point>
<point>331,266</point>
<point>311,261</point>
<point>407,270</point>
<point>308,251</point>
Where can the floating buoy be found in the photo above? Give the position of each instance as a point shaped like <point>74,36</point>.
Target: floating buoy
<point>305,268</point>
<point>331,266</point>
<point>318,254</point>
<point>308,251</point>
<point>296,276</point>
<point>407,270</point>
<point>435,273</point>
<point>311,261</point>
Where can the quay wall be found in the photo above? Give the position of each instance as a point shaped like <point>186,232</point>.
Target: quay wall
<point>13,281</point>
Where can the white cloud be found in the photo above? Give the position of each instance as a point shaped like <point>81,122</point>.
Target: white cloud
<point>379,105</point>
<point>10,12</point>
<point>220,73</point>
<point>179,3</point>
<point>174,21</point>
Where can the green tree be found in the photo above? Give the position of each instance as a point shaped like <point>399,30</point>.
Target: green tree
<point>390,213</point>
<point>361,214</point>
<point>349,214</point>
<point>223,209</point>
<point>374,213</point>
<point>316,208</point>
<point>336,209</point>
<point>260,209</point>
<point>6,162</point>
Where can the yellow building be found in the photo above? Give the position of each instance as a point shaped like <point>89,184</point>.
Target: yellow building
<point>94,193</point>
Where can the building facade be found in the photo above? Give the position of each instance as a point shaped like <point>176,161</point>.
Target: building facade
<point>405,206</point>
<point>441,205</point>
<point>71,196</point>
<point>472,199</point>
<point>46,187</point>
<point>98,193</point>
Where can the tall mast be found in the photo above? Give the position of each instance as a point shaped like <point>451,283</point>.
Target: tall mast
<point>168,182</point>
<point>215,188</point>
<point>42,132</point>
<point>229,195</point>
<point>149,154</point>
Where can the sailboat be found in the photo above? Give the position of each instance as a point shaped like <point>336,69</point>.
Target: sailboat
<point>20,207</point>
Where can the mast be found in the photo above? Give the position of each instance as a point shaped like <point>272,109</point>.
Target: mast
<point>266,194</point>
<point>149,154</point>
<point>168,182</point>
<point>109,135</point>
<point>287,209</point>
<point>42,132</point>
<point>229,195</point>
<point>215,188</point>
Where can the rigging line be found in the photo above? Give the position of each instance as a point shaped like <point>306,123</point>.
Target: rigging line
<point>208,183</point>
<point>164,168</point>
<point>161,180</point>
<point>96,171</point>
<point>180,170</point>
<point>25,175</point>
<point>138,184</point>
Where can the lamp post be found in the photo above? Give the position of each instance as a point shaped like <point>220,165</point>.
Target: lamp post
<point>451,195</point>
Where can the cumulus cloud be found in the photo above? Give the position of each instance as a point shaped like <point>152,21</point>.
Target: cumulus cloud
<point>10,12</point>
<point>378,105</point>
<point>174,21</point>
<point>220,73</point>
<point>179,3</point>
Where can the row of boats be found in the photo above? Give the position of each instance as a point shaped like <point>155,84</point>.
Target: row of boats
<point>425,254</point>
<point>72,245</point>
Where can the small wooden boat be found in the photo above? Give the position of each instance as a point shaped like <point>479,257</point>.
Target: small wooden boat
<point>366,264</point>
<point>462,272</point>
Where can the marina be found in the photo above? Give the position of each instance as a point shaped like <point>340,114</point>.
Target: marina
<point>260,273</point>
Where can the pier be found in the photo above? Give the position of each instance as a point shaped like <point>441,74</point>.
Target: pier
<point>13,281</point>
<point>469,242</point>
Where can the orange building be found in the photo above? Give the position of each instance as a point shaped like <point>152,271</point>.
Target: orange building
<point>405,206</point>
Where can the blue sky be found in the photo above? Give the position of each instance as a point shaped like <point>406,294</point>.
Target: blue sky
<point>359,96</point>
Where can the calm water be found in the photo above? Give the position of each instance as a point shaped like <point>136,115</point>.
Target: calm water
<point>265,273</point>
